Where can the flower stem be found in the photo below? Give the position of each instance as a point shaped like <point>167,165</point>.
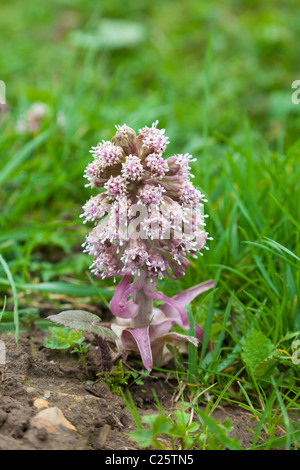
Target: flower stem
<point>144,302</point>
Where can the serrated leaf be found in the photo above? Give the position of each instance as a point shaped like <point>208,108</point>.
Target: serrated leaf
<point>258,352</point>
<point>82,321</point>
<point>261,369</point>
<point>142,436</point>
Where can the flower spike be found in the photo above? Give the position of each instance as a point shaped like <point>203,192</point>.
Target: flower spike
<point>148,220</point>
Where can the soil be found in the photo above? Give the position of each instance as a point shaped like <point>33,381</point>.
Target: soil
<point>49,400</point>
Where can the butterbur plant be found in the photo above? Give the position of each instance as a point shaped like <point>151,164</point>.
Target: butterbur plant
<point>148,218</point>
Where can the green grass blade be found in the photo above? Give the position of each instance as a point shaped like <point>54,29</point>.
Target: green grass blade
<point>222,332</point>
<point>278,442</point>
<point>289,216</point>
<point>132,408</point>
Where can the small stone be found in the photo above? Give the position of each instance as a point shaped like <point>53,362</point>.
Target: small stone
<point>52,420</point>
<point>103,436</point>
<point>40,403</point>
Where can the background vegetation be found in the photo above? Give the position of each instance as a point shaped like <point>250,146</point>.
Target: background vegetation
<point>218,77</point>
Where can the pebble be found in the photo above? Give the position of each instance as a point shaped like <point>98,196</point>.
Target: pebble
<point>52,420</point>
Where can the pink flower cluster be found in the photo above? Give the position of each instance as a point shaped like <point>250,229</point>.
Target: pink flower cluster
<point>148,219</point>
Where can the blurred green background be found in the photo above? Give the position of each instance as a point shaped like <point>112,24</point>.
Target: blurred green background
<point>217,75</point>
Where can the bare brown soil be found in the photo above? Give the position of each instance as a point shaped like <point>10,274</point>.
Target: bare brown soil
<point>35,378</point>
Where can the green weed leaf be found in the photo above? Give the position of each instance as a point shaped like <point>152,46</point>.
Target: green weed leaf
<point>258,352</point>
